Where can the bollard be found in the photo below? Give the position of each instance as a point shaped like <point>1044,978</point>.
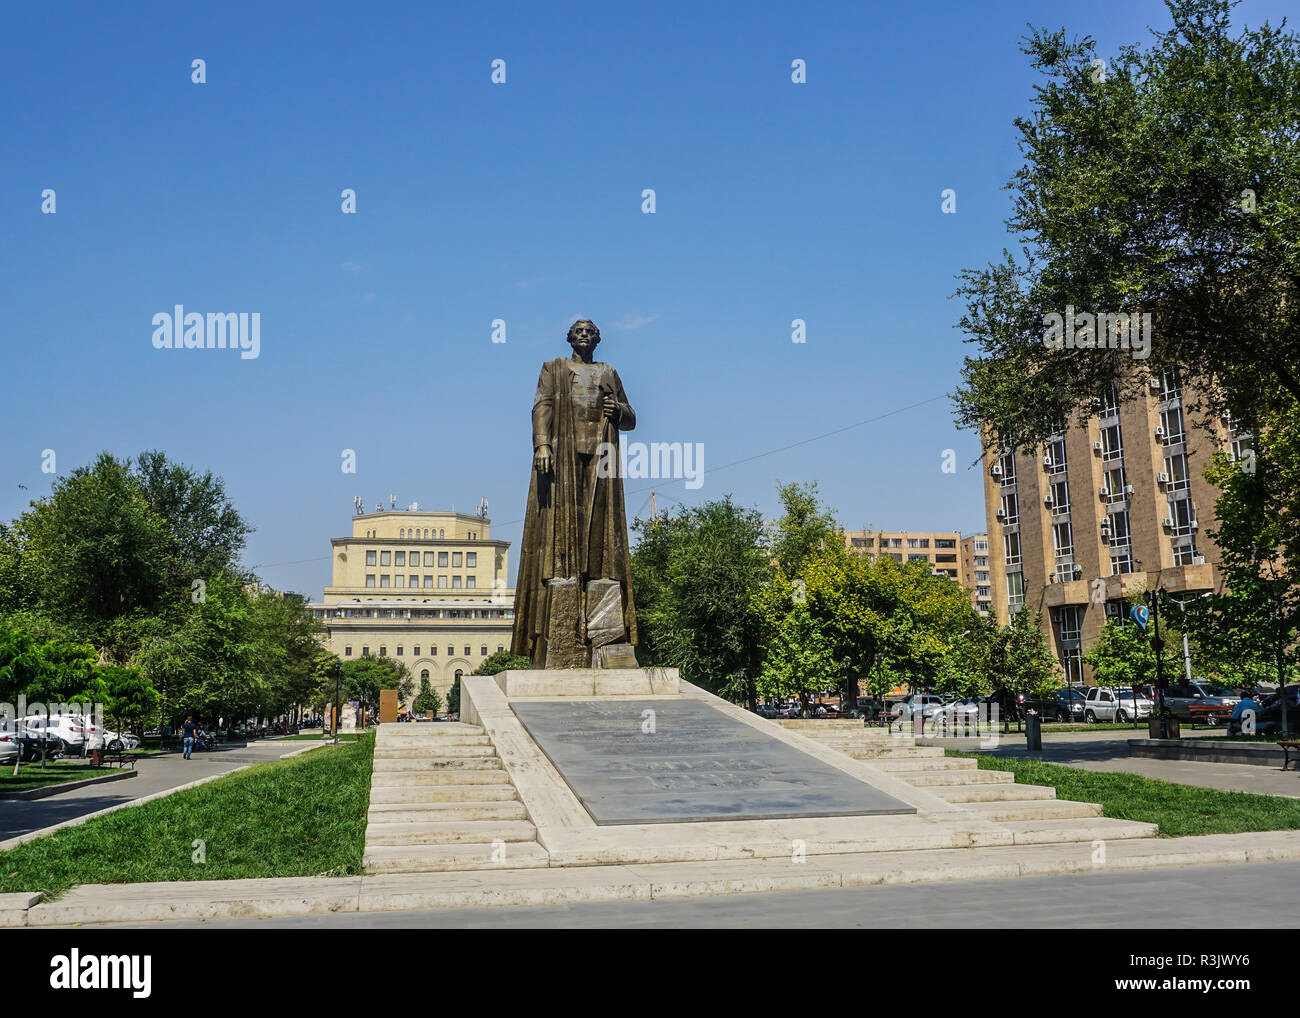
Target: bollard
<point>1034,732</point>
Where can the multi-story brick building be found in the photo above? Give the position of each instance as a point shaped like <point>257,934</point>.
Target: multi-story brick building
<point>1104,512</point>
<point>976,572</point>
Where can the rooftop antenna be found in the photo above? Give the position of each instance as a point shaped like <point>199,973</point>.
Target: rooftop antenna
<point>361,506</point>
<point>654,510</point>
<point>414,507</point>
<point>483,508</point>
<point>392,500</point>
<point>379,507</point>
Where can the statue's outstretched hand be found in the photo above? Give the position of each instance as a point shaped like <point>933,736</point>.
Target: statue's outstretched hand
<point>542,459</point>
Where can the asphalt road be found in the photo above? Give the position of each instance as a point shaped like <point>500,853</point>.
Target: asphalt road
<point>1239,897</point>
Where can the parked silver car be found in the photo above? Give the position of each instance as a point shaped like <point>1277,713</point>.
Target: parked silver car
<point>1201,701</point>
<point>1106,704</point>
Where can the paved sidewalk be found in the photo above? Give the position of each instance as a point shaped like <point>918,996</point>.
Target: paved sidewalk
<point>296,896</point>
<point>154,774</point>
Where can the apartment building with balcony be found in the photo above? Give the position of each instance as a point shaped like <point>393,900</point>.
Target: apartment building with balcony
<point>940,550</point>
<point>428,589</point>
<point>977,572</point>
<point>1082,525</point>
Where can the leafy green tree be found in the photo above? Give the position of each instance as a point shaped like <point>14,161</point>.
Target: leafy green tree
<point>427,700</point>
<point>797,659</point>
<point>366,676</point>
<point>695,573</point>
<point>503,661</point>
<point>805,530</point>
<point>1165,182</point>
<point>127,696</point>
<point>1014,659</point>
<point>453,696</point>
<point>1122,656</point>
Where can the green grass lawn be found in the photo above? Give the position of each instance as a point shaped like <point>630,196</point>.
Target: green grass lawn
<point>1180,810</point>
<point>343,737</point>
<point>300,817</point>
<point>33,775</point>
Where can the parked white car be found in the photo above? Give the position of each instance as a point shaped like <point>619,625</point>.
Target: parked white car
<point>924,704</point>
<point>1105,704</point>
<point>9,747</point>
<point>120,740</point>
<point>70,729</point>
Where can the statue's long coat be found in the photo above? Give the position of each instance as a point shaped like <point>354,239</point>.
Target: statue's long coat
<point>554,542</point>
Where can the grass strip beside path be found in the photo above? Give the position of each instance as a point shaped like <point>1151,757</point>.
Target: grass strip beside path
<point>1180,810</point>
<point>33,775</point>
<point>300,817</point>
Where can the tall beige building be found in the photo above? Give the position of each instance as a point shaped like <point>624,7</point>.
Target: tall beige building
<point>977,572</point>
<point>429,589</point>
<point>1080,526</point>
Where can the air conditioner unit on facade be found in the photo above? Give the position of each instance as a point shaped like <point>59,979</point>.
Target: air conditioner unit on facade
<point>1160,431</point>
<point>1194,525</point>
<point>1047,461</point>
<point>1001,514</point>
<point>1166,522</point>
<point>1103,492</point>
<point>1047,500</point>
<point>1096,447</point>
<point>1162,478</point>
<point>996,470</point>
<point>1078,570</point>
<point>1128,489</point>
<point>1154,383</point>
<point>1198,560</point>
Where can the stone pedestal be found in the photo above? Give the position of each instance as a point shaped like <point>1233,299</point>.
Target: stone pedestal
<point>565,638</point>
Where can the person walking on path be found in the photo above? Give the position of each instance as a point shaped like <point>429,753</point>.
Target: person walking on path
<point>187,731</point>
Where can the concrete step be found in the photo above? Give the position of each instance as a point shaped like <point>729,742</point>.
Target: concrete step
<point>820,724</point>
<point>1050,832</point>
<point>441,793</point>
<point>449,832</point>
<point>925,779</point>
<point>451,776</point>
<point>430,728</point>
<point>906,765</point>
<point>496,809</point>
<point>992,793</point>
<point>405,741</point>
<point>437,858</point>
<point>434,747</point>
<point>468,763</point>
<point>893,752</point>
<point>420,779</point>
<point>1034,809</point>
<point>387,765</point>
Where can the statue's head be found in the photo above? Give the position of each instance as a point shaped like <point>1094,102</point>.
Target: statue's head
<point>584,337</point>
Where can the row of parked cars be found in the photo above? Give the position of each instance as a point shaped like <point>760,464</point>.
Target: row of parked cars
<point>37,736</point>
<point>1198,701</point>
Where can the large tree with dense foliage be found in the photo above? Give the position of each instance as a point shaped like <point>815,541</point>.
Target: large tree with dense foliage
<point>1166,181</point>
<point>695,572</point>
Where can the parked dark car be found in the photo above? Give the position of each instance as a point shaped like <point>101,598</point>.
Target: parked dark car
<point>1201,701</point>
<point>1066,704</point>
<point>1270,715</point>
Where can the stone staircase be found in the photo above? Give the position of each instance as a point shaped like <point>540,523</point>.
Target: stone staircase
<point>1033,811</point>
<point>441,800</point>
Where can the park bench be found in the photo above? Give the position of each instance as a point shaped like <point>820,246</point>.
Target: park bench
<point>117,756</point>
<point>1286,748</point>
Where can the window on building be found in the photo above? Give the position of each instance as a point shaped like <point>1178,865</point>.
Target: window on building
<point>455,582</point>
<point>428,581</point>
<point>940,542</point>
<point>1007,461</point>
<point>914,542</point>
<point>1181,515</point>
<point>1185,551</point>
<point>469,582</point>
<point>383,651</point>
<point>400,650</point>
<point>1171,420</point>
<point>1109,401</point>
<point>442,560</point>
<point>945,558</point>
<point>428,559</point>
<point>1060,497</point>
<point>471,559</point>
<point>442,583</point>
<point>424,675</point>
<point>918,558</point>
<point>1115,485</point>
<point>1063,539</point>
<point>370,579</point>
<point>1171,386</point>
<point>1010,509</point>
<point>500,649</point>
<point>1055,459</point>
<point>1011,545</point>
<point>347,651</point>
<point>400,580</point>
<point>1015,588</point>
<point>384,580</point>
<point>1121,562</point>
<point>1119,529</point>
<point>400,559</point>
<point>365,651</point>
<point>433,651</point>
<point>1112,443</point>
<point>482,651</point>
<point>413,581</point>
<point>370,558</point>
<point>455,560</point>
<point>1176,470</point>
<point>416,650</point>
<point>384,558</point>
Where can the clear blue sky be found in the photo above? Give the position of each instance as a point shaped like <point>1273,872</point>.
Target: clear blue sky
<point>521,202</point>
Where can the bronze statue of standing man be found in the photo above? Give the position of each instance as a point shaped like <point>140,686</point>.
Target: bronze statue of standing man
<point>573,599</point>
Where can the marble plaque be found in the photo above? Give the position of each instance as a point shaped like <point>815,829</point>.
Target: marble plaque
<point>671,761</point>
